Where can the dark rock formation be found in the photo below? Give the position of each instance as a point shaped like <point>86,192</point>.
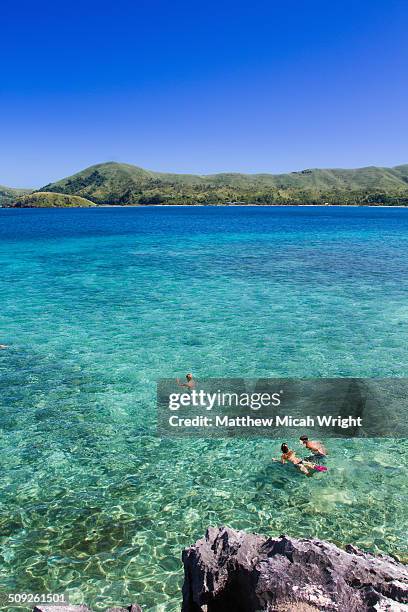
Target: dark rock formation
<point>233,571</point>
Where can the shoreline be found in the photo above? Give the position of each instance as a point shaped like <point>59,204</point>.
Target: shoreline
<point>98,206</point>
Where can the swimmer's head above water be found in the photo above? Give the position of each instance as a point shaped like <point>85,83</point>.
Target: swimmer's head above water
<point>190,384</point>
<point>316,447</point>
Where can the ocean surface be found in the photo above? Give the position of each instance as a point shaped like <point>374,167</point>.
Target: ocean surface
<point>96,305</point>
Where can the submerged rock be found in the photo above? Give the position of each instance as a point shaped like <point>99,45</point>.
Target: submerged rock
<point>62,608</point>
<point>132,608</point>
<point>231,570</point>
<point>82,608</point>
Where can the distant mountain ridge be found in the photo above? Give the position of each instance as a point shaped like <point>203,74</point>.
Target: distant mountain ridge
<point>115,183</point>
<point>124,184</point>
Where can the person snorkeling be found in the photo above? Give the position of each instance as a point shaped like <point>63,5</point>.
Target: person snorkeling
<point>302,465</point>
<point>318,450</point>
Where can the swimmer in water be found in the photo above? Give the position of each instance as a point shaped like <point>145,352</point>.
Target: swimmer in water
<point>317,448</point>
<point>190,384</point>
<point>290,456</point>
<point>3,346</point>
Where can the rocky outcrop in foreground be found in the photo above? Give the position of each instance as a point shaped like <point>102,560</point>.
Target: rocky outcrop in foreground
<point>233,571</point>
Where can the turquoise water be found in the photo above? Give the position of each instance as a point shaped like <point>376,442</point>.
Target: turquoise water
<point>98,304</point>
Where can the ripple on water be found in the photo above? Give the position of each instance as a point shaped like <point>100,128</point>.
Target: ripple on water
<point>90,498</point>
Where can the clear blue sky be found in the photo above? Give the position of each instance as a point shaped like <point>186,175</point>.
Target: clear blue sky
<point>201,86</point>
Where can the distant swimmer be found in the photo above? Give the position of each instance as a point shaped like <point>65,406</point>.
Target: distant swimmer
<point>302,465</point>
<point>317,448</point>
<point>190,384</point>
<point>3,346</point>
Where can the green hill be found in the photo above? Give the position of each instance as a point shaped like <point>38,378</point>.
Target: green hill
<point>114,183</point>
<point>8,195</point>
<point>51,200</point>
